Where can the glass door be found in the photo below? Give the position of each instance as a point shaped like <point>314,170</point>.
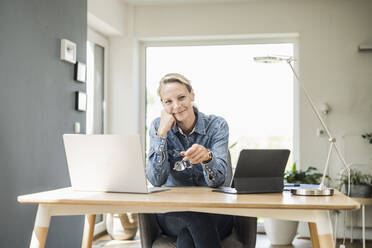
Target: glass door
<point>97,52</point>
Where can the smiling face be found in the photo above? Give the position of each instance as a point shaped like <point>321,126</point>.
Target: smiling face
<point>177,100</point>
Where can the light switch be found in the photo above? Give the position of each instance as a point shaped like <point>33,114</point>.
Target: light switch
<point>68,51</point>
<point>320,132</point>
<point>77,127</point>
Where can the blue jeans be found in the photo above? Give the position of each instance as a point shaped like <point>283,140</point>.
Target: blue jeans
<point>194,229</point>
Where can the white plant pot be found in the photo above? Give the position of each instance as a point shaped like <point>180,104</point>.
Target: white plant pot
<point>116,229</point>
<point>280,232</point>
<point>303,230</point>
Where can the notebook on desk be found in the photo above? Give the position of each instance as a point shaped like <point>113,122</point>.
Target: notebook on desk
<point>258,171</point>
<point>109,163</point>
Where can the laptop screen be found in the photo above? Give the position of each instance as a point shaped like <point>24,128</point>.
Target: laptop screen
<point>261,163</point>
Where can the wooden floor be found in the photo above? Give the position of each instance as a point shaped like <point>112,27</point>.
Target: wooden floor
<point>262,242</point>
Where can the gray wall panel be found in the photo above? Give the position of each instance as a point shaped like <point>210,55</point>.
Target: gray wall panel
<point>36,108</point>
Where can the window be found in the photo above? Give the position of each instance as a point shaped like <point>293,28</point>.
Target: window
<point>256,99</point>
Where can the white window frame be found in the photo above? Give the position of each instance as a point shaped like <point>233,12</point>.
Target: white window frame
<point>224,40</point>
<point>210,41</point>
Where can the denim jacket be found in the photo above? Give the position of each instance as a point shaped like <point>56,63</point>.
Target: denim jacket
<point>210,131</point>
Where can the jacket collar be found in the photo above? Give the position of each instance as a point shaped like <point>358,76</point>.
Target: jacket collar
<point>199,126</point>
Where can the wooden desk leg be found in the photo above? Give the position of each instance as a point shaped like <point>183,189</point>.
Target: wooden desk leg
<point>336,226</point>
<point>313,235</point>
<point>89,223</point>
<point>42,221</point>
<point>321,232</point>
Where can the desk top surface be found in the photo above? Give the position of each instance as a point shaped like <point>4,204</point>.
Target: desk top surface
<point>201,197</point>
<point>363,201</point>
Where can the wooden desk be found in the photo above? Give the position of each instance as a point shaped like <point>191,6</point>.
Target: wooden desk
<point>313,210</point>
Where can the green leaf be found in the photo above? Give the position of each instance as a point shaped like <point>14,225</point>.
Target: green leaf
<point>308,176</point>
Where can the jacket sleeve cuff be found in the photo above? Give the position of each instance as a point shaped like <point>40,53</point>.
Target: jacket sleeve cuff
<point>159,144</point>
<point>209,171</point>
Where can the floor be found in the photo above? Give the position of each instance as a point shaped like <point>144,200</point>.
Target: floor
<point>262,242</point>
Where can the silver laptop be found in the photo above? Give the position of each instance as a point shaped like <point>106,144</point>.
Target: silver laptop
<point>110,163</point>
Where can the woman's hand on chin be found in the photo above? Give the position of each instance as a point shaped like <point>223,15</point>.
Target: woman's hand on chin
<point>167,121</point>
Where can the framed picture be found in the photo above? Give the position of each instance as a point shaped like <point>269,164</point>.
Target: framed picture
<point>80,72</point>
<point>80,101</point>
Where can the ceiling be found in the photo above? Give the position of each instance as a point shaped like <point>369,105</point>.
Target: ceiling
<point>160,2</point>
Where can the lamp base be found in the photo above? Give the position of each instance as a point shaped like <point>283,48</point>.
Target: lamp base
<point>313,191</point>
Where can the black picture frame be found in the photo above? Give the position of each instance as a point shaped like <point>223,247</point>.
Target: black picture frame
<point>80,74</point>
<point>80,101</point>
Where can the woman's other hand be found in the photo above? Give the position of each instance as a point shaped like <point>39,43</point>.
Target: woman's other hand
<point>196,154</point>
<point>167,121</point>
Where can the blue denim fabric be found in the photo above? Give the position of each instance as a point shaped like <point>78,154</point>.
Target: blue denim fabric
<point>210,131</point>
<point>199,230</point>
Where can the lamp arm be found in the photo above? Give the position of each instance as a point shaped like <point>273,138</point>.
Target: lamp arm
<point>316,112</point>
<point>322,184</point>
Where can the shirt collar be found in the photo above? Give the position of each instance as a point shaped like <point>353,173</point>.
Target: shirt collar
<point>199,126</point>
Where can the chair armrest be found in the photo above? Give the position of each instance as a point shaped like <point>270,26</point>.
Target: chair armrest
<point>246,230</point>
<point>149,229</point>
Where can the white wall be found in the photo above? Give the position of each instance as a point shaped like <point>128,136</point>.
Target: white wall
<point>330,65</point>
<point>114,20</point>
<point>123,106</point>
<point>107,17</point>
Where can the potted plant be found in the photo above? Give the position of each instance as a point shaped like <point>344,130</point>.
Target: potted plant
<point>122,226</point>
<point>282,232</point>
<point>360,184</point>
<point>308,176</point>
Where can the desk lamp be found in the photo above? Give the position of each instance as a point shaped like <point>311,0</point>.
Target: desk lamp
<point>322,189</point>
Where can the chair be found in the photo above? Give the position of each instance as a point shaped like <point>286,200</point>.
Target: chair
<point>243,234</point>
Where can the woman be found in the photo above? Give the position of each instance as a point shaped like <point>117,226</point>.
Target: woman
<point>188,148</point>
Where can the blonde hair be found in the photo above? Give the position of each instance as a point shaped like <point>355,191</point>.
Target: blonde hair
<point>175,78</point>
